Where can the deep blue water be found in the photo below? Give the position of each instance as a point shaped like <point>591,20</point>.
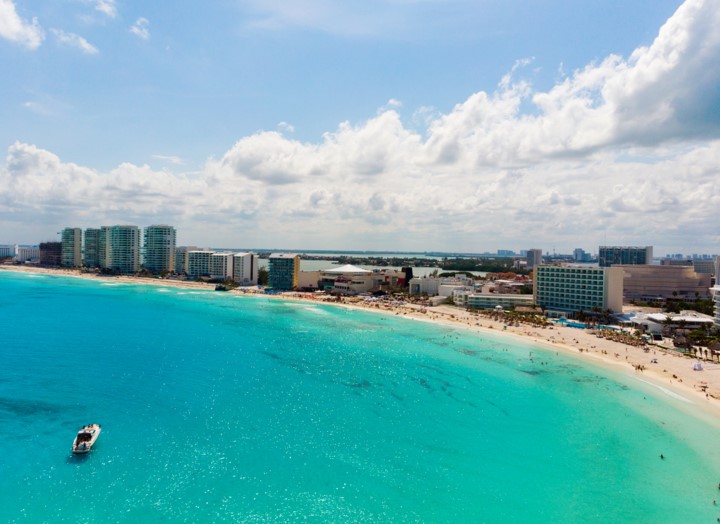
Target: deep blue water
<point>222,408</point>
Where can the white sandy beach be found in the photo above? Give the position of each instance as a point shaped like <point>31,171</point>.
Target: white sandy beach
<point>673,373</point>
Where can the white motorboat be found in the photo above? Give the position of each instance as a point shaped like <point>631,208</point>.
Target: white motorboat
<point>85,439</point>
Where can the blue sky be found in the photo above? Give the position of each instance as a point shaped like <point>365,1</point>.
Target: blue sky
<point>382,124</point>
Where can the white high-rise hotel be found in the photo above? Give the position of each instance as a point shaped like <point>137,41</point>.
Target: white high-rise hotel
<point>159,249</point>
<point>245,268</point>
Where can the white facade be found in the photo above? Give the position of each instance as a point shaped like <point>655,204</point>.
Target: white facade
<point>245,268</point>
<point>659,322</point>
<point>198,264</point>
<point>9,250</point>
<point>27,254</point>
<point>490,300</point>
<point>347,279</point>
<point>71,240</point>
<point>716,293</point>
<point>447,290</point>
<point>420,285</point>
<point>221,265</point>
<point>439,286</point>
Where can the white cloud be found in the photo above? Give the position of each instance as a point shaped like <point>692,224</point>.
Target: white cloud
<point>106,7</point>
<point>395,19</point>
<point>622,151</point>
<point>35,107</point>
<point>176,160</point>
<point>284,126</point>
<point>15,29</point>
<point>140,28</point>
<point>73,40</point>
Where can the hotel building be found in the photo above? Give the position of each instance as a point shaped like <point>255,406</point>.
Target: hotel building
<point>221,265</point>
<point>566,290</point>
<point>105,247</point>
<point>119,249</point>
<point>27,254</point>
<point>8,251</point>
<point>472,300</point>
<point>245,268</point>
<point>159,249</point>
<point>198,263</point>
<point>625,255</point>
<point>534,258</point>
<point>50,253</point>
<point>283,269</point>
<point>181,258</point>
<point>71,240</point>
<point>704,266</point>
<point>91,251</point>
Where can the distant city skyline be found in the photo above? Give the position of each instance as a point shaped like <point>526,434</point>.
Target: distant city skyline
<point>446,126</point>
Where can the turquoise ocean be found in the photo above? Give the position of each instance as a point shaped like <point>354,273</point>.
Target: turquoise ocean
<point>224,408</point>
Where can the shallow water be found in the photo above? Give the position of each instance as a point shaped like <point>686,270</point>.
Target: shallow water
<point>237,409</point>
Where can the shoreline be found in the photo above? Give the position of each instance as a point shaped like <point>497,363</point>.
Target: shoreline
<point>672,374</point>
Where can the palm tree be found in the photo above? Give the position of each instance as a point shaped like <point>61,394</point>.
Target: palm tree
<point>263,276</point>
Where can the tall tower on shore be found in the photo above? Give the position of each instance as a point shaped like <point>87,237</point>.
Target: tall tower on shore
<point>91,249</point>
<point>159,249</point>
<point>71,250</point>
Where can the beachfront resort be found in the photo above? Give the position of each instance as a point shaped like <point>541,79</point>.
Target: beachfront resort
<point>673,302</point>
<point>581,287</point>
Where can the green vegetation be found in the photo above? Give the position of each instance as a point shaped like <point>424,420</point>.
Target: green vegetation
<point>383,261</point>
<point>263,276</point>
<point>489,265</point>
<point>456,273</point>
<point>701,306</point>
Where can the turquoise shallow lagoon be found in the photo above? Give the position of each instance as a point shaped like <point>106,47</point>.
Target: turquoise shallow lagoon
<point>219,408</point>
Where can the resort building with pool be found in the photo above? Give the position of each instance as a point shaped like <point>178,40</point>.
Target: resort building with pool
<point>567,290</point>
